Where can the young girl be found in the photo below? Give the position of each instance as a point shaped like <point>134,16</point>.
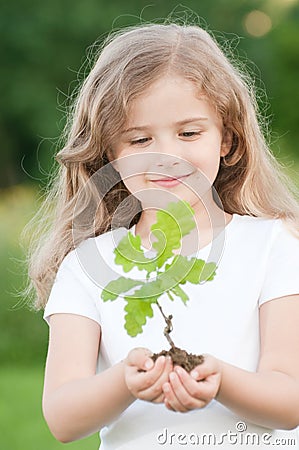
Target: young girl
<point>164,115</point>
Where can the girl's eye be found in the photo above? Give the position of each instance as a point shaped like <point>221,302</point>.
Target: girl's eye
<point>140,141</point>
<point>190,133</point>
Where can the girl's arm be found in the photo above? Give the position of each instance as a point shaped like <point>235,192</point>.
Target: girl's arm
<point>268,397</point>
<point>76,401</point>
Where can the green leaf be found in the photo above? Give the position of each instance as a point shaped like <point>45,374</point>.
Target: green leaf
<point>200,271</point>
<point>179,292</point>
<point>137,312</point>
<point>148,291</point>
<point>117,287</point>
<point>193,275</point>
<point>129,254</point>
<point>209,272</point>
<point>172,224</point>
<point>184,269</point>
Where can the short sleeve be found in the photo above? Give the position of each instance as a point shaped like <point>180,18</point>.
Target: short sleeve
<point>72,291</point>
<point>282,269</point>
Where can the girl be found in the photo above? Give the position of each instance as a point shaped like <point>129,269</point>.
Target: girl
<point>168,116</point>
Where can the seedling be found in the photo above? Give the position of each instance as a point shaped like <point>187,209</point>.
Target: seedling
<point>166,272</point>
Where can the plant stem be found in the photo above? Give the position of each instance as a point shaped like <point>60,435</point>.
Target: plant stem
<point>168,328</point>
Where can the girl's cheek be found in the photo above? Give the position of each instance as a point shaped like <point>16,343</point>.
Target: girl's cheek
<point>131,165</point>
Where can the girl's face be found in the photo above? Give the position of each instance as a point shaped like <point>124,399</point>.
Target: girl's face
<point>171,145</point>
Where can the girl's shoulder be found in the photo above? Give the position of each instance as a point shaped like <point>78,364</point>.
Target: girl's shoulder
<point>92,257</point>
<point>276,225</point>
<point>269,232</point>
<point>255,221</point>
<point>95,257</point>
<point>92,247</point>
<point>83,272</point>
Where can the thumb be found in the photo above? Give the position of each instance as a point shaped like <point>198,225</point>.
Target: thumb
<point>207,368</point>
<point>141,358</point>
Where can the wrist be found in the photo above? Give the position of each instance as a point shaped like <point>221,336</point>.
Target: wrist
<point>130,395</point>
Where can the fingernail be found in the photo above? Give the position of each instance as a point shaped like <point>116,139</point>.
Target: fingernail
<point>148,363</point>
<point>172,376</point>
<point>179,370</point>
<point>194,374</point>
<point>162,358</point>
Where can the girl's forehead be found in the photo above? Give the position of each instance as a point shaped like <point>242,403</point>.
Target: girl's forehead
<point>172,87</point>
<point>170,96</point>
<point>174,81</point>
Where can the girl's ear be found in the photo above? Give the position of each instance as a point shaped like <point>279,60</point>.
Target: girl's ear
<point>227,141</point>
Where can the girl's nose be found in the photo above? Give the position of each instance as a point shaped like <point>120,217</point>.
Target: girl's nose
<point>166,160</point>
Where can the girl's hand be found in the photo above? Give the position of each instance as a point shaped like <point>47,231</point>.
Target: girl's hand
<point>143,377</point>
<point>185,391</point>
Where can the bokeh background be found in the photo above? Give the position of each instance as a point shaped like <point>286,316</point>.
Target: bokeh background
<point>44,45</point>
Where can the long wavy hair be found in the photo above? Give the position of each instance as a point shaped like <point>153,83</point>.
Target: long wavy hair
<point>250,180</point>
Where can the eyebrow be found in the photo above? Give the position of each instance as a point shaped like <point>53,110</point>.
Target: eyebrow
<point>181,122</point>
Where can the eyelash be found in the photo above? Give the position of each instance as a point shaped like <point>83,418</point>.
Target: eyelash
<point>140,141</point>
<point>191,133</point>
<point>186,134</point>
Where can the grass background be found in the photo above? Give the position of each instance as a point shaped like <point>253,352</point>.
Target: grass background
<point>23,339</point>
<point>24,334</point>
<point>22,424</point>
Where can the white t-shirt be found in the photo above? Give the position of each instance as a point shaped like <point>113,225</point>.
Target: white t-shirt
<point>258,260</point>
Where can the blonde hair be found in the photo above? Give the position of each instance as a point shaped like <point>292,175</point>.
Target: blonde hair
<point>250,180</point>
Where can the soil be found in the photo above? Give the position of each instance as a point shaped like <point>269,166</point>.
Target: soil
<point>181,358</point>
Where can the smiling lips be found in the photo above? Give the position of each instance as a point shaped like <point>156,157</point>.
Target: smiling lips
<point>169,181</point>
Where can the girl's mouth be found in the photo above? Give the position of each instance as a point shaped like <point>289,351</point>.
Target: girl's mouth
<point>170,181</point>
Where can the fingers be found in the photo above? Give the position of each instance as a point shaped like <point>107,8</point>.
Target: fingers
<point>140,358</point>
<point>157,377</point>
<point>141,381</point>
<point>182,392</point>
<point>185,391</point>
<point>159,382</point>
<point>207,368</point>
<point>145,378</point>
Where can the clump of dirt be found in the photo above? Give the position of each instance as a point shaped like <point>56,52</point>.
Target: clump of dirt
<point>181,358</point>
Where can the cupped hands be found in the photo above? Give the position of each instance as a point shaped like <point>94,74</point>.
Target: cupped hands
<point>160,382</point>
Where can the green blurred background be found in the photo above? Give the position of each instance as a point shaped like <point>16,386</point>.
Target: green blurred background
<point>43,48</point>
